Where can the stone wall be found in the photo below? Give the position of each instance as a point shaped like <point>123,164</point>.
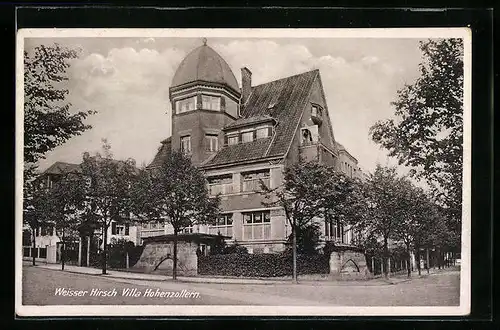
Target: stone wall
<point>158,257</point>
<point>348,265</point>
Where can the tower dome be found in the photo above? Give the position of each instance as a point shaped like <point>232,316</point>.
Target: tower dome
<point>205,64</point>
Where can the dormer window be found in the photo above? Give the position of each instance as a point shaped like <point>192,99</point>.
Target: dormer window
<point>247,137</point>
<point>316,110</point>
<point>210,102</point>
<point>264,132</point>
<point>232,140</point>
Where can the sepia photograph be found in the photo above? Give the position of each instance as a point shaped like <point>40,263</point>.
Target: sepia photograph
<point>174,172</point>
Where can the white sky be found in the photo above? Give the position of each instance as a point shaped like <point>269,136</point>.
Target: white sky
<point>127,79</point>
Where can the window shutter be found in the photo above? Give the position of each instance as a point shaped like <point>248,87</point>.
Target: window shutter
<point>113,228</point>
<point>225,140</point>
<point>255,135</point>
<point>127,226</point>
<point>240,137</point>
<point>269,131</point>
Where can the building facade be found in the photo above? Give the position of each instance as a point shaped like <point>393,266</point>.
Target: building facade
<point>241,136</point>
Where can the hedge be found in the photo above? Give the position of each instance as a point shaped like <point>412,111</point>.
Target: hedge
<point>261,265</point>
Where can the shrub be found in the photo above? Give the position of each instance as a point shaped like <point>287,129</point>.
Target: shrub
<point>117,253</point>
<point>261,265</point>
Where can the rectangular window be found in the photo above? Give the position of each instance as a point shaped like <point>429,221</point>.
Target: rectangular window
<point>186,144</point>
<point>232,140</point>
<point>251,181</point>
<point>185,105</point>
<point>316,111</point>
<point>210,102</point>
<point>247,137</point>
<point>223,225</point>
<point>211,143</point>
<point>257,225</point>
<point>222,184</point>
<point>263,132</point>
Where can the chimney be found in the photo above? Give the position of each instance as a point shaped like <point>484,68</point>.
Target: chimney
<point>246,84</point>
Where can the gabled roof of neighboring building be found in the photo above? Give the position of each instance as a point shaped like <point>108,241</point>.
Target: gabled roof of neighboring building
<point>61,168</point>
<point>340,147</point>
<point>284,100</point>
<point>161,155</point>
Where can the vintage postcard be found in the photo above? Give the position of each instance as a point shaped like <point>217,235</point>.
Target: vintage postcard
<point>224,172</point>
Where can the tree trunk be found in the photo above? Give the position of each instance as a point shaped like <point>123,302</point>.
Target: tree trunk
<point>427,260</point>
<point>294,254</point>
<point>174,267</point>
<point>63,252</point>
<point>386,254</point>
<point>417,255</point>
<point>105,249</point>
<point>34,246</point>
<point>408,261</point>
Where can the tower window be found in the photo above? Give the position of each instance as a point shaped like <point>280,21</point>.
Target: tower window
<point>211,142</point>
<point>185,105</point>
<point>186,144</point>
<point>210,102</point>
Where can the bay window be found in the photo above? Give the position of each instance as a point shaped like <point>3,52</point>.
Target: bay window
<point>257,225</point>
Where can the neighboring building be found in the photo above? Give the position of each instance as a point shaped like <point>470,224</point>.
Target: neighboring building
<point>47,237</point>
<point>348,163</point>
<point>240,136</point>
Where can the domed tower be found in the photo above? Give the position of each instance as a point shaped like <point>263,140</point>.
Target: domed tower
<point>205,97</point>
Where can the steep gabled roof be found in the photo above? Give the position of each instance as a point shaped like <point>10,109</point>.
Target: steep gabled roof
<point>284,100</point>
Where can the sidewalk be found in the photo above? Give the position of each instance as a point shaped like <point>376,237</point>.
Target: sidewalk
<point>303,279</point>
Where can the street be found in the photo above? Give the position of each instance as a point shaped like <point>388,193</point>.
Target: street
<point>53,287</point>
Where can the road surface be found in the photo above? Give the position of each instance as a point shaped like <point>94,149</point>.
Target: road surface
<point>47,287</point>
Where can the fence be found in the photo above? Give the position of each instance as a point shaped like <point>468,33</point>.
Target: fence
<point>38,252</point>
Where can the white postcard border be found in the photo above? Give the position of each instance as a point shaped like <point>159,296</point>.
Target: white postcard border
<point>229,310</point>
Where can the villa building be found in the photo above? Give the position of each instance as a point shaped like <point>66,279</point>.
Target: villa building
<point>242,135</point>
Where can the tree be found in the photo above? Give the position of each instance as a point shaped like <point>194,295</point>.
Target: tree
<point>107,191</point>
<point>344,200</point>
<point>307,239</point>
<point>383,192</point>
<point>48,119</point>
<point>301,195</point>
<point>35,211</point>
<point>176,193</point>
<point>66,202</point>
<point>427,133</point>
<point>414,224</point>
